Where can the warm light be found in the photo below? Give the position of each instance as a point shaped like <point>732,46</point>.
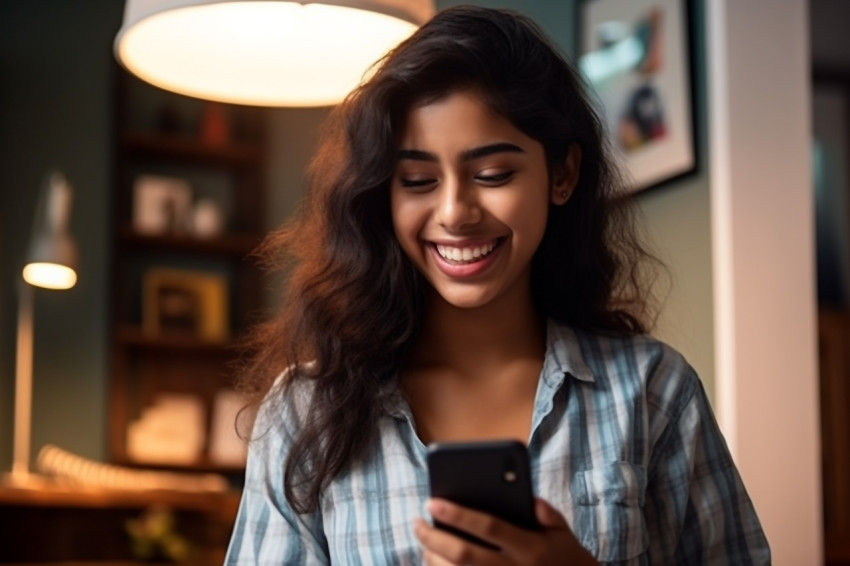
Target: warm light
<point>268,53</point>
<point>50,275</point>
<point>49,262</point>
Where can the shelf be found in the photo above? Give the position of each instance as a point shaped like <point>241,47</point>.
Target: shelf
<point>186,148</point>
<point>134,337</point>
<point>219,292</point>
<point>201,466</point>
<point>58,495</point>
<point>234,245</point>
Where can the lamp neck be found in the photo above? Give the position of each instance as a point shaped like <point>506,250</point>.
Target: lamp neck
<point>23,382</point>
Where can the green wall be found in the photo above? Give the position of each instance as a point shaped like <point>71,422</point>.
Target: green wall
<point>55,111</point>
<point>678,220</point>
<point>55,61</point>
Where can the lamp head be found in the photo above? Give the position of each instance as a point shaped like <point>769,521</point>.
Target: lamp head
<point>263,53</point>
<point>51,258</point>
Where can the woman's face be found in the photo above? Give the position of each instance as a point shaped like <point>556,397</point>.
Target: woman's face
<point>470,199</point>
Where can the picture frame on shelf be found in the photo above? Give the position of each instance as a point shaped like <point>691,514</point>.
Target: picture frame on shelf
<point>636,56</point>
<point>226,448</point>
<point>185,302</point>
<point>161,205</point>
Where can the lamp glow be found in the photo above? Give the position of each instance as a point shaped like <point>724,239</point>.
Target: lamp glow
<point>50,275</point>
<point>266,53</point>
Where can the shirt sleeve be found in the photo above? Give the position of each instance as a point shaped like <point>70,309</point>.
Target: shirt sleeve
<point>267,530</point>
<point>697,508</point>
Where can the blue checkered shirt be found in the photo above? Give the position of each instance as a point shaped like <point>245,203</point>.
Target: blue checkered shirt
<point>623,442</point>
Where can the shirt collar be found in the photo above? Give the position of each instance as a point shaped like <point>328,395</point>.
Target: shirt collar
<point>563,356</point>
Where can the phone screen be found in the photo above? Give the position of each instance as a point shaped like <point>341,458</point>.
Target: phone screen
<point>490,476</point>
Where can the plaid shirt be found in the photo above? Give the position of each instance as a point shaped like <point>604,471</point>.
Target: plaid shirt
<point>623,442</point>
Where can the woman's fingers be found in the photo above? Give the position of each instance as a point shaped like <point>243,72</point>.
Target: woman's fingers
<point>552,544</point>
<point>481,525</point>
<point>443,548</point>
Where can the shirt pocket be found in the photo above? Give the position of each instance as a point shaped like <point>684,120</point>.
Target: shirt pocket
<point>609,504</point>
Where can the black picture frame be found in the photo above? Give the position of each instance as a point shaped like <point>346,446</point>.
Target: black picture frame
<point>637,57</point>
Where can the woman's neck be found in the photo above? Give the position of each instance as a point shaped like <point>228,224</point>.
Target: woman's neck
<point>474,340</point>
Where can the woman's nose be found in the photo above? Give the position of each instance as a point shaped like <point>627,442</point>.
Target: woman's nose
<point>458,206</point>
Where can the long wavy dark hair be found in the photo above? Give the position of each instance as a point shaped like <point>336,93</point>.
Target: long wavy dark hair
<point>353,303</point>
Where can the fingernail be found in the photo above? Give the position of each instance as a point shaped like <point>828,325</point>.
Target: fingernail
<point>435,507</point>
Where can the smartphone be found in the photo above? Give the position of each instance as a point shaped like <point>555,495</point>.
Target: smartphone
<point>490,476</point>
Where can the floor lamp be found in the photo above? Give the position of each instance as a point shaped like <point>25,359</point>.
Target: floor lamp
<point>50,263</point>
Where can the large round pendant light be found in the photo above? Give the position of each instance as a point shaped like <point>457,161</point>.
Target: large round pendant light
<point>266,52</point>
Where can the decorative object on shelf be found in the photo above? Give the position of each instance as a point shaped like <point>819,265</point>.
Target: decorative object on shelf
<point>170,431</point>
<point>153,536</point>
<point>78,471</point>
<point>207,219</point>
<point>273,53</point>
<point>636,55</point>
<point>226,448</point>
<point>161,205</point>
<point>215,124</point>
<point>51,264</point>
<point>192,303</point>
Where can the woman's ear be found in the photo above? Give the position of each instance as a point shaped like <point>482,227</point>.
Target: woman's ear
<point>565,179</point>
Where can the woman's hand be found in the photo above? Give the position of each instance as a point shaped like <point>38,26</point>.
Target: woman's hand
<point>553,544</point>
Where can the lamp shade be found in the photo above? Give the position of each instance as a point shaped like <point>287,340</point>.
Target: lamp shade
<point>264,53</point>
<point>52,255</point>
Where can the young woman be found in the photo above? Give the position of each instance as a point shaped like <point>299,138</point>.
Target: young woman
<point>462,270</point>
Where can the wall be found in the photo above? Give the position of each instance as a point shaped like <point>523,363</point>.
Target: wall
<point>55,60</point>
<point>762,206</point>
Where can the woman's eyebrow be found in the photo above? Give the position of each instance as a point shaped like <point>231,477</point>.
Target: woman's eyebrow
<point>484,151</point>
<point>416,155</point>
<point>467,155</point>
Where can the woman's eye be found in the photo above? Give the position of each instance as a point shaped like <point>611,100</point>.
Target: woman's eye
<point>496,178</point>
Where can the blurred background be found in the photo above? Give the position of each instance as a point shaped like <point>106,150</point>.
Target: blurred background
<point>171,194</point>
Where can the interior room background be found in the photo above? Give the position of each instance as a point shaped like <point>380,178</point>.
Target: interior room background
<point>56,104</point>
<point>56,67</point>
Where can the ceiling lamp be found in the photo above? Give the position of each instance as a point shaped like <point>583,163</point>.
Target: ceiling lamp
<point>264,53</point>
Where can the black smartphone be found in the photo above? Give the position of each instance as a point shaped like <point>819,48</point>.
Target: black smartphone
<point>490,476</point>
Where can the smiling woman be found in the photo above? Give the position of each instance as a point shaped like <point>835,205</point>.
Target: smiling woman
<point>462,271</point>
<point>470,199</point>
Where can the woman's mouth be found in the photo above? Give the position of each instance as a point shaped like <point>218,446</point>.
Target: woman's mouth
<point>464,255</point>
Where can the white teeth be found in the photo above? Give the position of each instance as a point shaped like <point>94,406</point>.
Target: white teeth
<point>454,254</point>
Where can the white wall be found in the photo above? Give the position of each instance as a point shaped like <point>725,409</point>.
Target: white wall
<point>763,248</point>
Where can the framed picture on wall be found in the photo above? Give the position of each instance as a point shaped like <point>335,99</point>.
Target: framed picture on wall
<point>636,56</point>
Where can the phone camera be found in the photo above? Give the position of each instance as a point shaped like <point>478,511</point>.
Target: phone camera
<point>509,466</point>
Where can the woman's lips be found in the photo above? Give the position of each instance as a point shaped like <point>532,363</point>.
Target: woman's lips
<point>465,260</point>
